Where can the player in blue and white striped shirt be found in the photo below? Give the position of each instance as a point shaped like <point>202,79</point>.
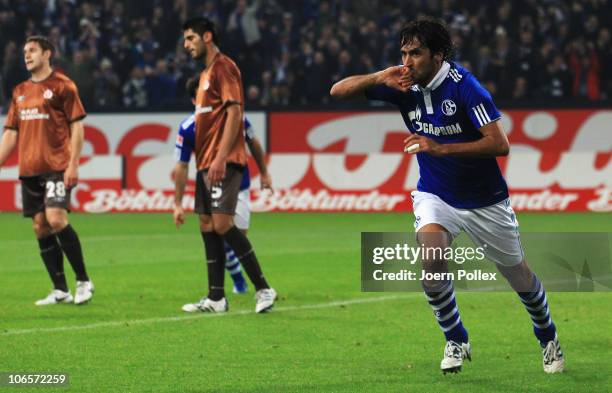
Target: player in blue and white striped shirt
<point>184,147</point>
<point>456,133</point>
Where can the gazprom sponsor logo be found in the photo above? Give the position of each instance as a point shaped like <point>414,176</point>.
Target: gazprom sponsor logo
<point>429,128</point>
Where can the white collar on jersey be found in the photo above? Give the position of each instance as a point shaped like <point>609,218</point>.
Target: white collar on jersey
<point>435,82</point>
<point>440,76</point>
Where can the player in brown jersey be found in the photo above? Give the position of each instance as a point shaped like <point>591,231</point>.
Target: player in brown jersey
<point>221,157</point>
<point>44,119</point>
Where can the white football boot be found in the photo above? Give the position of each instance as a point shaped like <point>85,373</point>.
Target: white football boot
<point>55,297</point>
<point>264,299</point>
<point>454,353</point>
<point>207,305</point>
<point>553,359</point>
<point>84,292</point>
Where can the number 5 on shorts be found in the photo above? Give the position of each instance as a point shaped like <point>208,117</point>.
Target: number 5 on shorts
<point>215,192</point>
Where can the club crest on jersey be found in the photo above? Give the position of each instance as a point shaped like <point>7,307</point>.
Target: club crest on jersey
<point>417,114</point>
<point>448,107</point>
<point>48,94</point>
<point>21,99</point>
<point>206,85</point>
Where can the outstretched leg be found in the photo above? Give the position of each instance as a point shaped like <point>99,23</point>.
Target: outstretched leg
<point>531,292</point>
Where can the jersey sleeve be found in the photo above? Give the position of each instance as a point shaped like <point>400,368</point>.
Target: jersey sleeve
<point>230,84</point>
<point>384,93</point>
<point>184,144</point>
<point>12,118</point>
<point>249,133</point>
<point>73,107</point>
<point>478,103</point>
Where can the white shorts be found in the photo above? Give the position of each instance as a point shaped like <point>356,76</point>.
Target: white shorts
<point>496,225</point>
<point>242,218</point>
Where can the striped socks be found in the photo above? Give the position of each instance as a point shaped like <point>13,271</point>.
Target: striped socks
<point>442,301</point>
<point>536,305</point>
<point>232,264</point>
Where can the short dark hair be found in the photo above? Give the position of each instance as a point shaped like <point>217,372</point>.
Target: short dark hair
<point>201,25</point>
<point>192,86</point>
<point>431,33</point>
<point>44,43</point>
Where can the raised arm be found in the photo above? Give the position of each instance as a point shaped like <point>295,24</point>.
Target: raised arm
<point>396,77</point>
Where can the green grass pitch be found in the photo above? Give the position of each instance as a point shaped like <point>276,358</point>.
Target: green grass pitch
<point>323,336</point>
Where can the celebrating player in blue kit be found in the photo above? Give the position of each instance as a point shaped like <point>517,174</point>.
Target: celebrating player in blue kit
<point>185,144</point>
<point>456,133</point>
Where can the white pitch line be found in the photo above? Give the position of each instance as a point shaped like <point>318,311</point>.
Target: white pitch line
<point>147,321</point>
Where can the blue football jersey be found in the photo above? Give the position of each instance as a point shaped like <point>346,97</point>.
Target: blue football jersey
<point>185,144</point>
<point>185,140</point>
<point>451,109</point>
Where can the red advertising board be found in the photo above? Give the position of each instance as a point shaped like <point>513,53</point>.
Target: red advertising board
<point>560,160</point>
<point>341,161</point>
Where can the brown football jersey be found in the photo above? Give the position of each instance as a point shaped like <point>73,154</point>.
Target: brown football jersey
<point>41,113</point>
<point>220,86</point>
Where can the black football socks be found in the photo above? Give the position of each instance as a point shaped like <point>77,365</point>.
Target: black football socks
<point>53,258</point>
<point>244,251</point>
<point>215,264</point>
<point>71,245</point>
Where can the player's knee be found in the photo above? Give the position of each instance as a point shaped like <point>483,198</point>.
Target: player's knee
<point>57,222</point>
<point>222,224</point>
<point>519,273</point>
<point>222,229</point>
<point>433,239</point>
<point>41,228</point>
<point>206,223</point>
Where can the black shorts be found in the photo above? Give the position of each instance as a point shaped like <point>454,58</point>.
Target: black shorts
<point>42,191</point>
<point>223,196</point>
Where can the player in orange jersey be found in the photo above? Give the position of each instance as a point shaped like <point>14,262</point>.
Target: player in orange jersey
<point>45,121</point>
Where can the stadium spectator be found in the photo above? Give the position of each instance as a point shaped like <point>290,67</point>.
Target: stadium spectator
<point>585,66</point>
<point>252,96</point>
<point>315,77</point>
<point>13,71</point>
<point>107,86</point>
<point>557,79</point>
<point>81,71</point>
<point>135,91</point>
<point>160,84</point>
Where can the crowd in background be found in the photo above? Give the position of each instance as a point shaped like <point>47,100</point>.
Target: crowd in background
<point>129,54</point>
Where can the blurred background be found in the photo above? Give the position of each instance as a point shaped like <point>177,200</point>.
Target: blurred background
<point>124,54</point>
<point>546,63</point>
